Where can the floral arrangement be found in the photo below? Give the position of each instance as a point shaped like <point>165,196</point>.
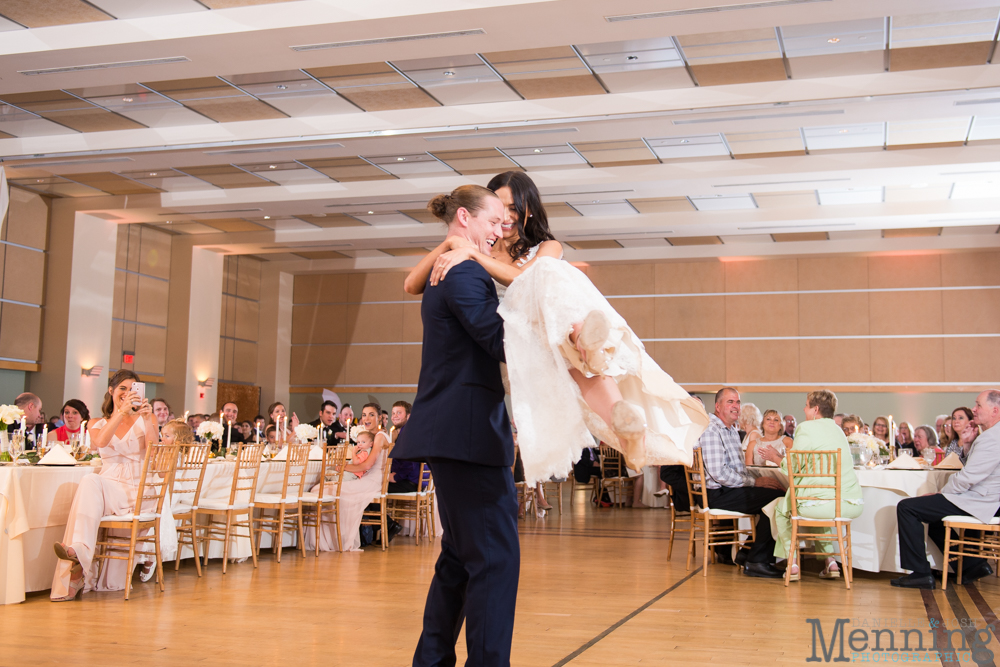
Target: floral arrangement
<point>355,430</point>
<point>306,433</point>
<point>10,414</point>
<point>211,430</point>
<point>869,441</point>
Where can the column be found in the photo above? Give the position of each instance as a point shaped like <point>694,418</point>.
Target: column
<point>274,345</point>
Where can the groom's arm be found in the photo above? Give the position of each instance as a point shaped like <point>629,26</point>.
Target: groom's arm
<point>471,297</point>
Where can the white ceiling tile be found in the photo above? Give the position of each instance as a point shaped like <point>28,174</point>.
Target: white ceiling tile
<point>723,202</point>
<point>365,253</point>
<point>169,180</point>
<point>966,230</point>
<point>654,242</point>
<point>951,27</point>
<point>851,196</point>
<point>544,156</point>
<point>938,130</point>
<point>844,136</point>
<point>379,219</point>
<point>283,224</point>
<point>137,9</point>
<point>985,127</point>
<point>150,109</point>
<point>190,228</point>
<point>633,55</point>
<point>706,145</point>
<point>816,39</point>
<point>410,164</point>
<point>25,124</point>
<point>286,173</point>
<point>976,189</point>
<point>6,24</point>
<point>856,235</point>
<point>606,207</point>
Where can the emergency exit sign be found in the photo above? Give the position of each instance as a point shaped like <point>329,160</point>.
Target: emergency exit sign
<point>128,358</point>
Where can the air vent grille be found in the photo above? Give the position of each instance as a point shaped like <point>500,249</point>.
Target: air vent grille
<point>87,68</point>
<point>708,10</point>
<point>388,40</point>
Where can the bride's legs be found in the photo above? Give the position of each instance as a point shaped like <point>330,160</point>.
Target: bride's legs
<point>600,392</point>
<point>602,395</point>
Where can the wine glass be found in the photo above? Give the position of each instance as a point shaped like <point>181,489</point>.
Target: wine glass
<point>16,446</point>
<point>865,455</point>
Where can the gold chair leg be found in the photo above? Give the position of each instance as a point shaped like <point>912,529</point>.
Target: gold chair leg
<point>130,561</point>
<point>708,529</point>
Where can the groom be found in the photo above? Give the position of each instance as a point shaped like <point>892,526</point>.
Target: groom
<point>459,425</point>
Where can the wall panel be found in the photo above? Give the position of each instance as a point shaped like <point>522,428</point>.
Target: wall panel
<point>142,289</point>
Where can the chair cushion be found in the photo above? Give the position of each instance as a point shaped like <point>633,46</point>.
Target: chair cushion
<point>715,512</point>
<point>145,516</point>
<point>182,508</point>
<point>957,518</point>
<point>222,505</point>
<point>313,498</point>
<point>408,494</point>
<point>274,499</point>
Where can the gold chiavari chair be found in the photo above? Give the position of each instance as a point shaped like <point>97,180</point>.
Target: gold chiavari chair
<point>985,545</point>
<point>705,519</point>
<point>614,476</point>
<point>377,517</point>
<point>225,515</point>
<point>675,518</point>
<point>286,505</point>
<point>427,488</point>
<point>154,481</point>
<point>326,501</point>
<point>554,486</point>
<point>808,472</point>
<point>412,506</point>
<point>192,461</point>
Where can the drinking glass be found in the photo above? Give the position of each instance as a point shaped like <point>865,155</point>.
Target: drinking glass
<point>865,454</point>
<point>16,446</point>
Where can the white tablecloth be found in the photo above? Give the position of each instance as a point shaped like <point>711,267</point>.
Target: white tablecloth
<point>873,534</point>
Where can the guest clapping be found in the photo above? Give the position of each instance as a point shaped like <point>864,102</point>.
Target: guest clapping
<point>275,414</point>
<point>963,423</point>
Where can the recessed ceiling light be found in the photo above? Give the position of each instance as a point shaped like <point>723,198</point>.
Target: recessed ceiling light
<point>152,173</point>
<point>126,99</point>
<point>597,201</point>
<point>281,86</point>
<point>833,40</point>
<point>449,73</point>
<point>401,159</point>
<point>538,150</point>
<point>371,212</point>
<point>272,166</point>
<point>684,141</point>
<point>631,57</point>
<point>267,217</point>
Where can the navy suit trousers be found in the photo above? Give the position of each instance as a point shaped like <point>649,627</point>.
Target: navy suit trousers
<point>475,578</point>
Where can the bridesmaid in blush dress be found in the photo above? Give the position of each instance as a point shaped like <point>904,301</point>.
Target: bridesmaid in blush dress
<point>121,438</point>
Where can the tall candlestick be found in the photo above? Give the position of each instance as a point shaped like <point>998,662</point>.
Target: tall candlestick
<point>256,432</point>
<point>186,413</point>
<point>229,435</point>
<point>24,425</point>
<point>45,436</point>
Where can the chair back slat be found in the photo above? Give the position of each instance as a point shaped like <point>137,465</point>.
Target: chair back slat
<point>332,474</point>
<point>426,479</point>
<point>295,470</point>
<point>157,476</point>
<point>386,465</point>
<point>822,468</point>
<point>192,461</point>
<point>612,464</point>
<point>697,492</point>
<point>244,486</point>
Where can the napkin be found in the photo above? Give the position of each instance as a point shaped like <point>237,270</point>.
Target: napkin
<point>282,455</point>
<point>57,456</point>
<point>315,453</point>
<point>951,462</point>
<point>905,462</point>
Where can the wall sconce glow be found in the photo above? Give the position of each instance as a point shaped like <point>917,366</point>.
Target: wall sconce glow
<point>208,382</point>
<point>93,371</point>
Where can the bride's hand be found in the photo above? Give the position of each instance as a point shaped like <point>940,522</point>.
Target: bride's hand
<point>448,260</point>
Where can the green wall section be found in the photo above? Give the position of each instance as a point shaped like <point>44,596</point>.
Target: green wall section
<point>11,384</point>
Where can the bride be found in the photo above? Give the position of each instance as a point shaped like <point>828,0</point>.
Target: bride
<point>566,346</point>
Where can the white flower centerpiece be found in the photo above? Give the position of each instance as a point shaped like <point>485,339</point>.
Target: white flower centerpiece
<point>306,433</point>
<point>872,446</point>
<point>211,431</point>
<point>9,414</point>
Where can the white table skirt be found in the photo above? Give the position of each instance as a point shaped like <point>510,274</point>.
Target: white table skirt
<point>874,534</point>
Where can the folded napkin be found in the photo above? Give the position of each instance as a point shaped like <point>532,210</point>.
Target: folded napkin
<point>950,462</point>
<point>282,455</point>
<point>57,456</point>
<point>315,453</point>
<point>905,462</point>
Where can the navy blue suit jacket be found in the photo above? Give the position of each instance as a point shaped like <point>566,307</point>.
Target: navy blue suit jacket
<point>459,412</point>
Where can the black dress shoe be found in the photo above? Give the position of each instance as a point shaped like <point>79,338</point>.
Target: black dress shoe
<point>723,558</point>
<point>394,529</point>
<point>741,557</point>
<point>764,570</point>
<point>914,580</point>
<point>976,572</point>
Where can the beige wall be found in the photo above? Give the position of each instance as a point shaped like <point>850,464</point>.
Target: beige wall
<point>23,244</point>
<point>142,289</point>
<point>923,322</point>
<point>240,325</point>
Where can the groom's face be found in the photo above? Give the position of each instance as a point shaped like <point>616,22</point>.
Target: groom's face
<point>485,227</point>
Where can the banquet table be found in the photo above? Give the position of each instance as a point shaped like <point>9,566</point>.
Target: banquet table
<point>875,544</point>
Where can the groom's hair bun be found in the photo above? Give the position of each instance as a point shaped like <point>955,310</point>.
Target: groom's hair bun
<point>469,197</point>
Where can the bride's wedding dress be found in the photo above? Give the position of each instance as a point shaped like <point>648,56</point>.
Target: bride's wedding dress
<point>539,309</point>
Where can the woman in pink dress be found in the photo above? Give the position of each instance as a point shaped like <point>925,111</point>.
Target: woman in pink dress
<point>121,438</point>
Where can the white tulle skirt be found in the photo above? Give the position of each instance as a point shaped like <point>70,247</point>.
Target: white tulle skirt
<point>554,423</point>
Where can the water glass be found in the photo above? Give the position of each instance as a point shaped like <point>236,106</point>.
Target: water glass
<point>16,446</point>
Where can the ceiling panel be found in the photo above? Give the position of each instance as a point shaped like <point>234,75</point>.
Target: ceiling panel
<point>70,111</point>
<point>800,236</point>
<point>142,105</point>
<point>751,71</point>
<point>751,144</point>
<point>723,202</point>
<point>663,205</point>
<point>695,240</point>
<point>836,37</point>
<point>169,180</point>
<point>374,87</point>
<point>593,245</point>
<point>285,173</point>
<point>545,73</point>
<point>414,164</point>
<point>560,210</point>
<point>113,183</point>
<point>972,229</point>
<point>983,128</point>
<point>728,239</point>
<point>975,190</point>
<point>348,169</point>
<point>945,55</point>
<point>216,99</point>
<point>545,157</point>
<point>229,4</point>
<point>851,196</point>
<point>332,220</point>
<point>294,93</point>
<point>935,131</point>
<point>637,65</point>
<point>283,223</point>
<point>187,227</point>
<point>20,123</point>
<point>384,219</point>
<point>226,176</point>
<point>954,27</point>
<point>604,207</point>
<point>322,254</point>
<point>727,47</point>
<point>616,153</point>
<point>793,199</point>
<point>137,9</point>
<point>675,148</point>
<point>233,225</point>
<point>55,185</point>
<point>38,14</point>
<point>910,232</point>
<point>405,252</point>
<point>834,137</point>
<point>920,192</point>
<point>422,215</point>
<point>7,24</point>
<point>458,80</point>
<point>486,161</point>
<point>837,64</point>
<point>655,242</point>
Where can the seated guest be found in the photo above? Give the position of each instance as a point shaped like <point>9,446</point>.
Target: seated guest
<point>946,435</point>
<point>972,491</point>
<point>851,424</point>
<point>774,437</point>
<point>271,435</point>
<point>344,422</point>
<point>790,425</point>
<point>963,423</point>
<point>259,423</point>
<point>34,418</point>
<point>880,429</point>
<point>904,435</point>
<point>230,415</point>
<point>749,425</point>
<point>732,487</point>
<point>55,421</point>
<point>838,419</point>
<point>384,421</point>
<point>275,413</point>
<point>327,415</point>
<point>121,438</point>
<point>403,475</point>
<point>246,428</point>
<point>161,411</point>
<point>75,414</point>
<point>194,421</point>
<point>818,433</point>
<point>925,444</point>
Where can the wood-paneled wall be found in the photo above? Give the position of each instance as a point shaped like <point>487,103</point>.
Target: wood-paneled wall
<point>142,286</point>
<point>23,243</point>
<point>240,320</point>
<point>927,321</point>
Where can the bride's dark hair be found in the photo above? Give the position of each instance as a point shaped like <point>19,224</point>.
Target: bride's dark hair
<point>532,223</point>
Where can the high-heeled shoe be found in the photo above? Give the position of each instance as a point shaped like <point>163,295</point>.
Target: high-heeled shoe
<point>76,584</point>
<point>831,571</point>
<point>62,553</point>
<point>794,574</point>
<point>147,572</point>
<point>629,423</point>
<point>591,339</point>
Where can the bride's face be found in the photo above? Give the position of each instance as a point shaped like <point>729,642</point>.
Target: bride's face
<point>369,418</point>
<point>510,219</point>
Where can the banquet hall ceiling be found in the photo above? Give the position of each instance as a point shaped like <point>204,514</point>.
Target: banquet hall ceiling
<point>313,133</point>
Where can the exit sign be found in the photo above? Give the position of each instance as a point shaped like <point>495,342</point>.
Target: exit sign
<point>128,358</point>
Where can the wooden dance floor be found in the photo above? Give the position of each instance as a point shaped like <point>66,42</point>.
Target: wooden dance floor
<point>596,589</point>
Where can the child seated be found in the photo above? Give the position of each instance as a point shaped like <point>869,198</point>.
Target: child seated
<point>365,440</point>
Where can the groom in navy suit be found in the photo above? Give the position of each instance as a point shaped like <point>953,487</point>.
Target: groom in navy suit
<point>459,425</point>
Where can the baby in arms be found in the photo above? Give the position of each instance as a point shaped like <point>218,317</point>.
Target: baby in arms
<point>365,440</point>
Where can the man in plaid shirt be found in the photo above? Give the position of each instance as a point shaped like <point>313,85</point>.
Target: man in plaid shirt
<point>732,487</point>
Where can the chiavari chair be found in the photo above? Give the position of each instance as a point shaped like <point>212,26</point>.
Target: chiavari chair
<point>614,476</point>
<point>983,543</point>
<point>412,506</point>
<point>377,517</point>
<point>192,461</point>
<point>325,502</point>
<point>287,506</point>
